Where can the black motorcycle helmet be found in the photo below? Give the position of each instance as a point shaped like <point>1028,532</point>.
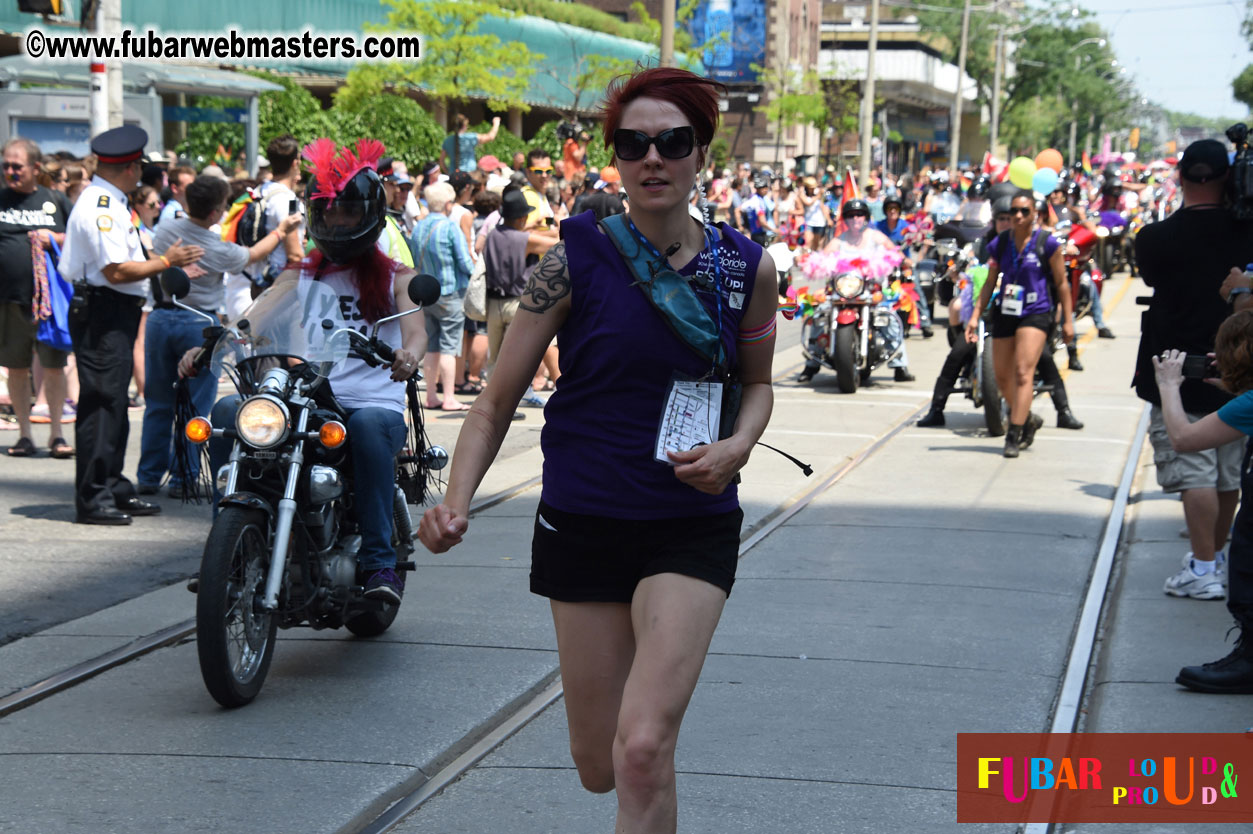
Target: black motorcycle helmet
<point>979,190</point>
<point>854,207</point>
<point>1074,192</point>
<point>1003,205</point>
<point>346,227</point>
<point>893,201</point>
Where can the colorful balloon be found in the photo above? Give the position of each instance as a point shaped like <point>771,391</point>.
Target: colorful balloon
<point>1044,181</point>
<point>1050,158</point>
<point>1021,170</point>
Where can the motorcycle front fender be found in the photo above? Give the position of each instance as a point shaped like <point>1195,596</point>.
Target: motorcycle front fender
<point>248,500</point>
<point>847,315</point>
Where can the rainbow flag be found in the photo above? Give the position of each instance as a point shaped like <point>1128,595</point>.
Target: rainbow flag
<point>222,157</point>
<point>1087,163</point>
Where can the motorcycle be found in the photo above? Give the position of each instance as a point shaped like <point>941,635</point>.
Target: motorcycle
<point>853,327</point>
<point>1085,277</point>
<point>282,551</point>
<point>1112,249</point>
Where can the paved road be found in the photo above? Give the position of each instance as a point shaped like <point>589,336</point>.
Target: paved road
<point>934,590</point>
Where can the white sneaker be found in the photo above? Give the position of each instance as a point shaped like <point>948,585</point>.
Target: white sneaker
<point>1186,583</point>
<point>1220,565</point>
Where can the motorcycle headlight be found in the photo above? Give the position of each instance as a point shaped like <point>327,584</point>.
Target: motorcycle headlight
<point>849,285</point>
<point>262,422</point>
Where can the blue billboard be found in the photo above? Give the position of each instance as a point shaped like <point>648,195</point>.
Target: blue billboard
<point>736,33</point>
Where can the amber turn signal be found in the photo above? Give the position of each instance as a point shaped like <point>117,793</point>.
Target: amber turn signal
<point>332,434</point>
<point>198,430</point>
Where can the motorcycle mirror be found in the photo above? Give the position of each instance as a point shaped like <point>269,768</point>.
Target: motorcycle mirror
<point>435,458</point>
<point>175,283</point>
<point>424,290</point>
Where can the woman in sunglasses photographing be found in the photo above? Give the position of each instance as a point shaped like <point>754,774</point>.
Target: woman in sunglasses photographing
<point>1030,266</point>
<point>634,544</point>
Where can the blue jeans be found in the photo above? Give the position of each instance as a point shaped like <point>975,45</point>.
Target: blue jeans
<point>1098,314</point>
<point>169,334</point>
<point>375,437</point>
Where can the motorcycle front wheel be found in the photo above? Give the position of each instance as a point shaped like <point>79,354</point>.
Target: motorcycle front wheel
<point>846,375</point>
<point>994,411</point>
<point>234,635</point>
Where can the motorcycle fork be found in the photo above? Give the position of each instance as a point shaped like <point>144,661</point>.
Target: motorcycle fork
<point>865,334</point>
<point>286,514</point>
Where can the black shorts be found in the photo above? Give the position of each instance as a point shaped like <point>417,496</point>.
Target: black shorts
<point>1004,327</point>
<point>587,558</point>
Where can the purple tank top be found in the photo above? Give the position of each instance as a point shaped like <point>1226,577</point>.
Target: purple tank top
<point>617,359</point>
<point>1024,268</point>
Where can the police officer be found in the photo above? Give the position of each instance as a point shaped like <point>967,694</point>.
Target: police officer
<point>105,259</point>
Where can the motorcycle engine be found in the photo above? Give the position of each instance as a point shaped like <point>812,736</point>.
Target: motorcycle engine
<point>340,564</point>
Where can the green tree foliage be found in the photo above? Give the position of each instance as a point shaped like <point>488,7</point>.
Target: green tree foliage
<point>1048,86</point>
<point>503,147</point>
<point>942,21</point>
<point>1242,87</point>
<point>598,155</point>
<point>467,64</point>
<point>405,129</point>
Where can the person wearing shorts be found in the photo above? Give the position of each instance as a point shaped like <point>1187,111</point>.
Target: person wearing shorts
<point>635,554</point>
<point>440,249</point>
<point>27,207</point>
<point>1031,270</point>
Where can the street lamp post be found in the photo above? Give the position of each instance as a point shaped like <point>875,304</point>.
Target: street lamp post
<point>1074,106</point>
<point>867,102</point>
<point>955,138</point>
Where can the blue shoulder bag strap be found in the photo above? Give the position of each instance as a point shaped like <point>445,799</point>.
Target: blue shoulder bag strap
<point>670,294</point>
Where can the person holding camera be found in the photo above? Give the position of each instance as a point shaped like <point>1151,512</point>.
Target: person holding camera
<point>1231,423</point>
<point>1186,259</point>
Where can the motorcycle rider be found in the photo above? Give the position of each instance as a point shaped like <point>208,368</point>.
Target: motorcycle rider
<point>858,238</point>
<point>345,217</point>
<point>962,350</point>
<point>1064,205</point>
<point>1025,314</point>
<point>892,226</point>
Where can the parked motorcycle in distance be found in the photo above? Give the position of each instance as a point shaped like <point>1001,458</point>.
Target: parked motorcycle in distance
<point>282,551</point>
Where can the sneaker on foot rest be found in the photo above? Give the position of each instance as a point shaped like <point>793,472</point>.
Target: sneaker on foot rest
<point>385,585</point>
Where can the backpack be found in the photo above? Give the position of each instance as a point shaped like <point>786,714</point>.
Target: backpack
<point>246,221</point>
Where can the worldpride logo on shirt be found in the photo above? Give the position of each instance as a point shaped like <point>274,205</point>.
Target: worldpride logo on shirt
<point>733,268</point>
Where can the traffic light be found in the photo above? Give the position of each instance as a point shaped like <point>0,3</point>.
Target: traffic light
<point>39,6</point>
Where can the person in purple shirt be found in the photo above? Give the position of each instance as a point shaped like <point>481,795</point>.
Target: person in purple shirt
<point>636,549</point>
<point>1026,259</point>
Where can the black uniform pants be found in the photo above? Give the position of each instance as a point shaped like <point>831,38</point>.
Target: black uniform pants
<point>1240,553</point>
<point>104,343</point>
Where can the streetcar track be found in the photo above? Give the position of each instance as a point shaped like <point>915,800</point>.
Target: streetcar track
<point>80,672</point>
<point>1063,712</point>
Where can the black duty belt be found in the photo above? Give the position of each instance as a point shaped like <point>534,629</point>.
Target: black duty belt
<point>106,294</point>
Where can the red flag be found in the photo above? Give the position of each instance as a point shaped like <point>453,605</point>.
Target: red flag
<point>850,193</point>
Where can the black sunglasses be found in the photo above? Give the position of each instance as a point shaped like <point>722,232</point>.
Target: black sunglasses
<point>675,143</point>
<point>1021,211</point>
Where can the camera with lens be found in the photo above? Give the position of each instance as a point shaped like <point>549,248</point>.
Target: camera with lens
<point>1241,181</point>
<point>568,130</point>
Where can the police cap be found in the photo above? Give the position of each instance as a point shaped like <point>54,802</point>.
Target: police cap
<point>120,145</point>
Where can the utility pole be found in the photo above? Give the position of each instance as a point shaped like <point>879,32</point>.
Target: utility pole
<point>996,90</point>
<point>112,11</point>
<point>105,96</point>
<point>867,100</point>
<point>955,138</point>
<point>667,33</point>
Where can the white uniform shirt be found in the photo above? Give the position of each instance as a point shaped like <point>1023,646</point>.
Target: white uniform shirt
<point>99,233</point>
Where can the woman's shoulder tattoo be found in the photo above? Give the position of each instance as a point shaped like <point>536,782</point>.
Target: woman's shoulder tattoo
<point>550,282</point>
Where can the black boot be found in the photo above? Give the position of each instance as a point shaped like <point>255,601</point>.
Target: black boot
<point>1074,364</point>
<point>903,375</point>
<point>1066,418</point>
<point>1033,424</point>
<point>1012,438</point>
<point>935,417</point>
<point>808,373</point>
<point>1231,675</point>
<point>927,332</point>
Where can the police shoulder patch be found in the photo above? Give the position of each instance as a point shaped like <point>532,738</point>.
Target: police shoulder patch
<point>104,222</point>
<point>103,202</point>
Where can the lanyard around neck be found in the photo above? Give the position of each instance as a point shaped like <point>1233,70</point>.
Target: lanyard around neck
<point>662,263</point>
